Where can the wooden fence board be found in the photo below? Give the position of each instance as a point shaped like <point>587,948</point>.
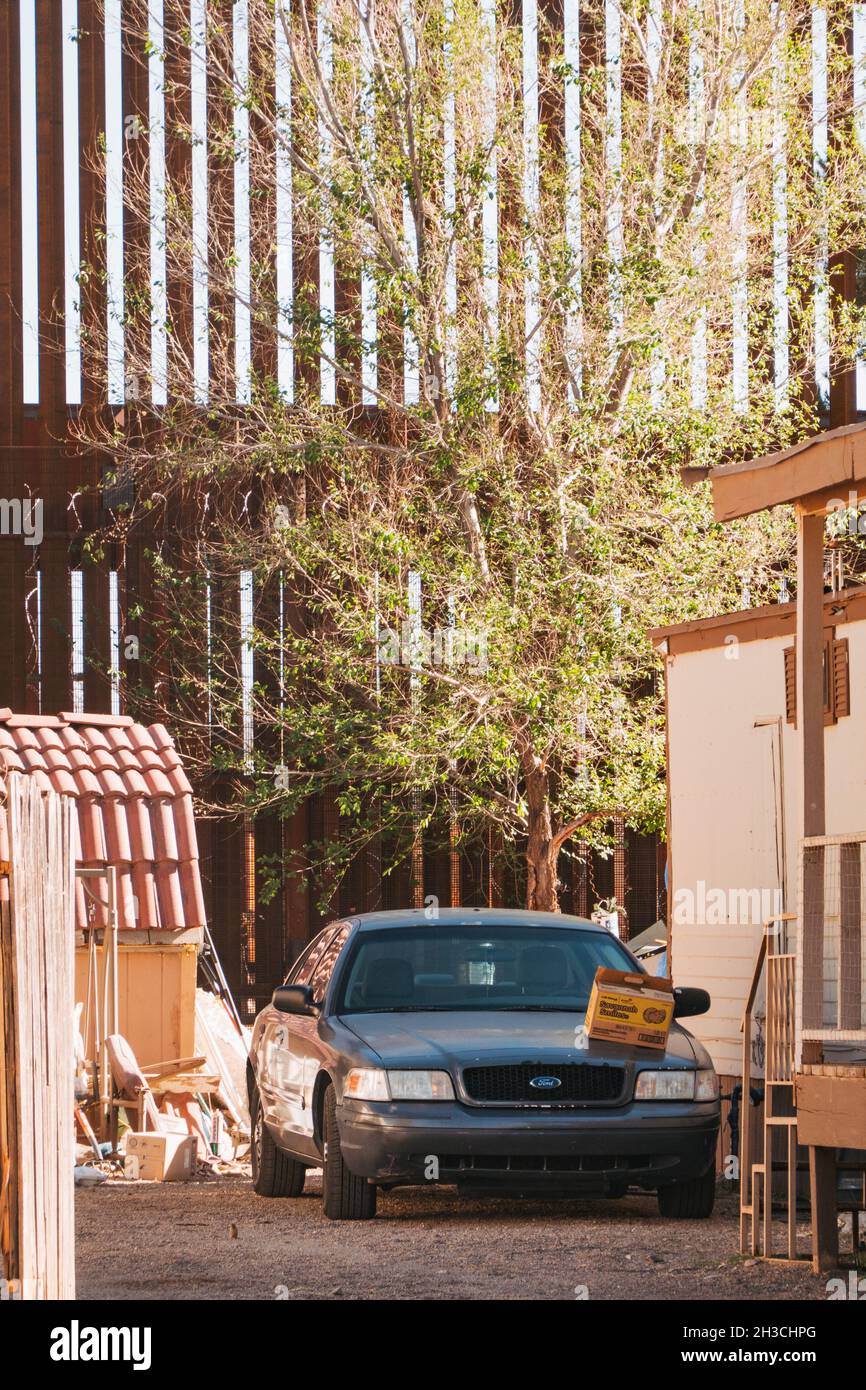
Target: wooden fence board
<point>37,1138</point>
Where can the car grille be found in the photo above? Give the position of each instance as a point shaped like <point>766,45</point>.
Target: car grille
<point>510,1085</point>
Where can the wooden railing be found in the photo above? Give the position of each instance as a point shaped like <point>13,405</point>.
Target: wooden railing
<point>757,1174</point>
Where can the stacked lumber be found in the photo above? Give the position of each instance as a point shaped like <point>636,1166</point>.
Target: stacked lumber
<point>37,1138</point>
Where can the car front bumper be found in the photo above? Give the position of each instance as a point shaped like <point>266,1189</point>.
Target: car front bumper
<point>644,1144</point>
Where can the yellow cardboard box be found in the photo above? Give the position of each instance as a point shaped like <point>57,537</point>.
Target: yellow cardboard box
<point>629,1008</point>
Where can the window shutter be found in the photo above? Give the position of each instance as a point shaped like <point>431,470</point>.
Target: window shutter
<point>841,687</point>
<point>838,689</point>
<point>791,685</point>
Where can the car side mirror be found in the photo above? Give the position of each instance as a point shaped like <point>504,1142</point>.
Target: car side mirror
<point>294,999</point>
<point>690,1002</point>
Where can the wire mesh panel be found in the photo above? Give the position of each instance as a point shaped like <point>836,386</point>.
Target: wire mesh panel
<point>851,1005</point>
<point>831,941</point>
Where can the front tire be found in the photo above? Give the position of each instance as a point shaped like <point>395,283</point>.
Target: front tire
<point>344,1197</point>
<point>274,1173</point>
<point>689,1201</point>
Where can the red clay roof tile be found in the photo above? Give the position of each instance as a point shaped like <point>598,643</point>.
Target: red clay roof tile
<point>33,721</point>
<point>135,783</point>
<point>157,783</point>
<point>62,781</point>
<point>93,721</point>
<point>134,811</point>
<point>168,893</point>
<point>86,782</point>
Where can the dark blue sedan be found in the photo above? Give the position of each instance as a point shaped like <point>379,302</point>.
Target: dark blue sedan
<point>448,1046</point>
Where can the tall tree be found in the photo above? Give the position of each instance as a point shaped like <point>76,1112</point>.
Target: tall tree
<point>482,281</point>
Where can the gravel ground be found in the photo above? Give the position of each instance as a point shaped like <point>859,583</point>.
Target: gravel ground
<point>216,1240</point>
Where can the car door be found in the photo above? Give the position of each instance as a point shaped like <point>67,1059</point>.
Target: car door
<point>276,1071</point>
<point>307,1051</point>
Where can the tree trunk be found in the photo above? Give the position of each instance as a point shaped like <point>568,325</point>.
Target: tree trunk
<point>541,883</point>
<point>542,854</point>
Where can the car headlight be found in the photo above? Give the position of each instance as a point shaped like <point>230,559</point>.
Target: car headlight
<point>665,1085</point>
<point>420,1085</point>
<point>372,1083</point>
<point>677,1085</point>
<point>367,1083</point>
<point>706,1085</point>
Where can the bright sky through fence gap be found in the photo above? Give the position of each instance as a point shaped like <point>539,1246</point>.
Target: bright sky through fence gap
<point>285,211</point>
<point>29,204</point>
<point>114,147</point>
<point>71,206</point>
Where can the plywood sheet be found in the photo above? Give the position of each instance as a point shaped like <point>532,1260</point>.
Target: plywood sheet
<point>831,1111</point>
<point>156,996</point>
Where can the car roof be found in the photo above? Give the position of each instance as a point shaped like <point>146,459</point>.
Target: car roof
<point>470,917</point>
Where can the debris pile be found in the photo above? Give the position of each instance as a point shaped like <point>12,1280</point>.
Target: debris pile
<point>173,1120</point>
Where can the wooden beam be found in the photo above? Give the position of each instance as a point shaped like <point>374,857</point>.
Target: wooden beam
<point>810,670</point>
<point>851,493</point>
<point>836,459</point>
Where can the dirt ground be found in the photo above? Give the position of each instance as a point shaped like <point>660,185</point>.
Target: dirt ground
<point>218,1240</point>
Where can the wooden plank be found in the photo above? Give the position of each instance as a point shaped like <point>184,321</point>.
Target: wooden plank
<point>9,1138</point>
<point>185,1083</point>
<point>172,1068</point>
<point>767,1248</point>
<point>832,1069</point>
<point>759,1184</point>
<point>747,1195</point>
<point>831,1111</point>
<point>753,988</point>
<point>156,987</point>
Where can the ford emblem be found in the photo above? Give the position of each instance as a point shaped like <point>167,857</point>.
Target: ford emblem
<point>545,1083</point>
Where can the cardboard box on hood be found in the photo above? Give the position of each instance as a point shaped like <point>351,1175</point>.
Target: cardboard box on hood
<point>630,1008</point>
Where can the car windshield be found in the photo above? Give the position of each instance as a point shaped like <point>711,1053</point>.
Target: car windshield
<point>409,969</point>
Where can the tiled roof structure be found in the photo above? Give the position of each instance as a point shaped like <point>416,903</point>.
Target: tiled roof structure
<point>134,811</point>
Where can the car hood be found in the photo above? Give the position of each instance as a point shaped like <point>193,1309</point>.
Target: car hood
<point>445,1039</point>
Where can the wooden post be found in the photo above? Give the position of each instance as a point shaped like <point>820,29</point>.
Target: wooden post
<point>822,1184</point>
<point>810,717</point>
<point>810,668</point>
